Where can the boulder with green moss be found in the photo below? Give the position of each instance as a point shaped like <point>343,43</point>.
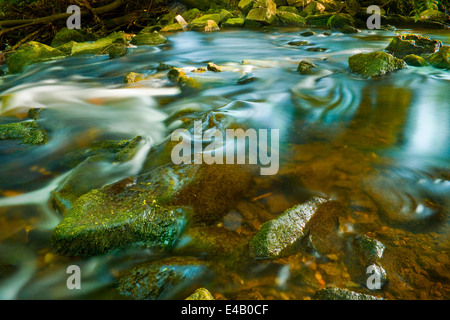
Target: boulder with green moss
<point>133,77</point>
<point>286,9</point>
<point>290,19</point>
<point>144,38</point>
<point>117,50</point>
<point>305,66</point>
<point>349,30</point>
<point>440,59</point>
<point>245,5</point>
<point>201,294</point>
<point>162,279</point>
<point>177,75</point>
<point>172,27</point>
<point>375,64</point>
<point>27,131</point>
<point>314,7</point>
<point>101,46</point>
<point>340,20</point>
<point>29,53</point>
<point>233,23</point>
<point>433,15</point>
<point>333,293</point>
<point>191,14</point>
<point>406,44</point>
<point>66,35</point>
<point>415,60</point>
<point>262,15</point>
<point>279,236</point>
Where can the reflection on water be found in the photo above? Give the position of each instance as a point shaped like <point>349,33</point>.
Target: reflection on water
<point>380,145</point>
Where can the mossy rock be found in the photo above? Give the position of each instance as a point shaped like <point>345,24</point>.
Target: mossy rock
<point>305,66</point>
<point>152,39</point>
<point>414,60</point>
<point>375,64</point>
<point>245,5</point>
<point>133,77</point>
<point>278,237</point>
<point>281,2</point>
<point>201,294</point>
<point>440,59</point>
<point>225,15</point>
<point>314,7</point>
<point>29,53</point>
<point>286,9</point>
<point>27,131</point>
<point>66,35</point>
<point>202,22</point>
<point>191,14</point>
<point>233,23</point>
<point>291,19</point>
<point>173,27</point>
<point>333,293</point>
<point>433,15</point>
<point>162,279</point>
<point>117,50</point>
<point>101,46</point>
<point>211,26</point>
<point>261,15</point>
<point>340,20</point>
<point>406,44</point>
<point>66,48</point>
<point>166,19</point>
<point>177,75</point>
<point>349,30</point>
<point>319,20</point>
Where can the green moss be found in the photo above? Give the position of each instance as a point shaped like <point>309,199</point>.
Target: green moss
<point>27,131</point>
<point>29,53</point>
<point>101,46</point>
<point>406,44</point>
<point>340,20</point>
<point>234,22</point>
<point>375,64</point>
<point>304,67</point>
<point>133,77</point>
<point>332,293</point>
<point>191,14</point>
<point>262,15</point>
<point>67,47</point>
<point>67,35</point>
<point>414,60</point>
<point>161,279</point>
<point>201,294</point>
<point>279,236</point>
<point>441,59</point>
<point>287,9</point>
<point>173,27</point>
<point>117,50</point>
<point>148,39</point>
<point>291,19</point>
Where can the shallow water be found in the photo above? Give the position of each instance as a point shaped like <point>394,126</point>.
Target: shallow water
<point>380,145</point>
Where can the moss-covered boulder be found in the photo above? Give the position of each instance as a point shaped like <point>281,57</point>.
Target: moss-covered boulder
<point>415,60</point>
<point>340,20</point>
<point>290,19</point>
<point>67,47</point>
<point>201,22</point>
<point>279,236</point>
<point>177,75</point>
<point>262,15</point>
<point>201,294</point>
<point>66,35</point>
<point>314,7</point>
<point>117,50</point>
<point>162,279</point>
<point>233,23</point>
<point>440,59</point>
<point>213,67</point>
<point>406,44</point>
<point>101,46</point>
<point>191,14</point>
<point>433,15</point>
<point>286,8</point>
<point>144,39</point>
<point>375,64</point>
<point>211,26</point>
<point>350,30</point>
<point>245,5</point>
<point>172,27</point>
<point>319,20</point>
<point>305,66</point>
<point>333,293</point>
<point>29,53</point>
<point>27,131</point>
<point>133,77</point>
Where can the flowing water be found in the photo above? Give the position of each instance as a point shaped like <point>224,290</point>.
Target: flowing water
<point>381,145</point>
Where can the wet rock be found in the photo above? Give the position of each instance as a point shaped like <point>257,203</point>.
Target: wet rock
<point>214,67</point>
<point>317,49</point>
<point>191,14</point>
<point>286,8</point>
<point>201,294</point>
<point>27,131</point>
<point>211,26</point>
<point>101,46</point>
<point>173,27</point>
<point>319,20</point>
<point>332,293</point>
<point>245,5</point>
<point>314,7</point>
<point>246,78</point>
<point>440,59</point>
<point>162,279</point>
<point>368,249</point>
<point>66,35</point>
<point>117,50</point>
<point>304,67</point>
<point>262,15</point>
<point>340,20</point>
<point>349,30</point>
<point>277,237</point>
<point>163,67</point>
<point>148,39</point>
<point>67,47</point>
<point>307,34</point>
<point>297,43</point>
<point>291,19</point>
<point>375,64</point>
<point>225,15</point>
<point>405,44</point>
<point>200,70</point>
<point>281,3</point>
<point>416,61</point>
<point>201,22</point>
<point>433,15</point>
<point>233,23</point>
<point>29,53</point>
<point>177,75</point>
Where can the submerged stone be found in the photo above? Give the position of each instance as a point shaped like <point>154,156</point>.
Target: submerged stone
<point>214,67</point>
<point>29,53</point>
<point>298,43</point>
<point>349,30</point>
<point>307,33</point>
<point>333,293</point>
<point>117,50</point>
<point>304,67</point>
<point>440,59</point>
<point>152,39</point>
<point>370,250</point>
<point>201,294</point>
<point>27,131</point>
<point>162,279</point>
<point>414,60</point>
<point>375,64</point>
<point>277,237</point>
<point>406,44</point>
